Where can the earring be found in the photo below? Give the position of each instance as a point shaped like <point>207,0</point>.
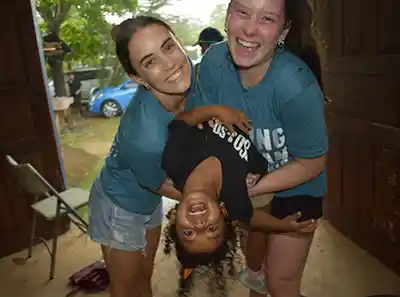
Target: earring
<point>280,43</point>
<point>223,209</point>
<point>147,86</point>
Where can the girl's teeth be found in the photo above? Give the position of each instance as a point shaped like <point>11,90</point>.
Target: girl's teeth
<point>200,212</point>
<point>247,44</point>
<point>175,75</point>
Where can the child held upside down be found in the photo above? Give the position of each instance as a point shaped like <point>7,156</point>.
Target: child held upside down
<point>210,166</point>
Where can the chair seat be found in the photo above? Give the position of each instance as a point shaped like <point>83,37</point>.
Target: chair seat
<point>74,197</point>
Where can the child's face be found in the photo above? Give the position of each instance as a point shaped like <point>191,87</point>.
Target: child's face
<point>200,224</point>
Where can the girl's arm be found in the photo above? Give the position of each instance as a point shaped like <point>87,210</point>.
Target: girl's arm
<point>303,123</point>
<point>144,158</point>
<point>290,175</point>
<point>264,222</point>
<point>167,189</point>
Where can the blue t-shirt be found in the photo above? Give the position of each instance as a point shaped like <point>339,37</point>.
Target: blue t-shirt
<point>133,166</point>
<point>132,169</point>
<point>286,109</point>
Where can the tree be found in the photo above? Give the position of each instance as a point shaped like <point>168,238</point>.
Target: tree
<point>218,17</point>
<point>186,29</point>
<point>152,6</point>
<point>79,20</point>
<point>83,40</point>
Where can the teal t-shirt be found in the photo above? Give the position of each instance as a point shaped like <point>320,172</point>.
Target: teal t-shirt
<point>132,169</point>
<point>286,109</point>
<point>133,166</point>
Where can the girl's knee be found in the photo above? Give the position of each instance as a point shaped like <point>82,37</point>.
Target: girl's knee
<point>283,285</point>
<point>283,288</point>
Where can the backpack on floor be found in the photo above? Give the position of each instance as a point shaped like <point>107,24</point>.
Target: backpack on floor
<point>91,279</point>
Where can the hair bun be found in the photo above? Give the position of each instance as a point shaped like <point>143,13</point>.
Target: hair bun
<point>118,31</point>
<point>115,32</point>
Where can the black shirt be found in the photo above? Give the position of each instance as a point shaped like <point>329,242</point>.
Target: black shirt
<point>74,86</point>
<point>188,146</point>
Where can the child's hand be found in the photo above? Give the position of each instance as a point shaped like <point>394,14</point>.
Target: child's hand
<point>308,226</point>
<point>252,179</point>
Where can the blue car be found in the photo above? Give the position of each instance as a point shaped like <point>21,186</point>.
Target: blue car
<point>112,101</point>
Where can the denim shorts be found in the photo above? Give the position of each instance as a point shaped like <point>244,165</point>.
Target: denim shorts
<point>115,227</point>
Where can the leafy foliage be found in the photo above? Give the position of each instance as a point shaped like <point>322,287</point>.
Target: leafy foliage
<point>82,25</point>
<point>152,6</point>
<point>218,16</point>
<point>187,30</point>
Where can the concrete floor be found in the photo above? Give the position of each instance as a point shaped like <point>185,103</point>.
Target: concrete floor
<point>336,268</point>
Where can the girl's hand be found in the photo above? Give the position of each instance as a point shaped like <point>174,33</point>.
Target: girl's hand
<point>225,115</point>
<point>230,117</point>
<point>308,226</point>
<point>210,123</point>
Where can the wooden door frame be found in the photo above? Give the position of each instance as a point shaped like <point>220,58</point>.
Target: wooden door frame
<point>39,42</point>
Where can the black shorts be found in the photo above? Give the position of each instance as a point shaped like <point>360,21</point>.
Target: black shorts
<point>309,206</point>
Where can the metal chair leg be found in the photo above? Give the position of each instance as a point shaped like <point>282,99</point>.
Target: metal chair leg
<point>33,229</point>
<point>54,251</point>
<point>55,241</point>
<point>32,235</point>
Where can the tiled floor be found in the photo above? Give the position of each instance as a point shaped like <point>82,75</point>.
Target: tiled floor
<point>336,268</point>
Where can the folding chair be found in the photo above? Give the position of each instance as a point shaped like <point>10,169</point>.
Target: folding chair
<point>55,205</point>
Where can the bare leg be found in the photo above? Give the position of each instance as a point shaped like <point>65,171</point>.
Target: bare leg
<point>153,239</point>
<point>256,247</point>
<point>285,261</point>
<point>124,268</point>
<point>257,241</point>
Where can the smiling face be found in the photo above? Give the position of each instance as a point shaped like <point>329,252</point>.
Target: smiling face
<point>159,60</point>
<point>254,29</point>
<point>199,224</point>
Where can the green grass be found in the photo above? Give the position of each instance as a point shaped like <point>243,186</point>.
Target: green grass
<point>87,183</point>
<point>91,176</point>
<point>70,139</point>
<point>92,130</point>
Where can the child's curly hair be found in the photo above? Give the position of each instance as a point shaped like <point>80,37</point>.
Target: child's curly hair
<point>218,264</point>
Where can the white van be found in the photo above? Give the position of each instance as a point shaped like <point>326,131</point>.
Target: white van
<point>90,79</point>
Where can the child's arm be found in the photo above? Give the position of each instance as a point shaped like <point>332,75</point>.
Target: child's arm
<point>228,116</point>
<point>257,166</point>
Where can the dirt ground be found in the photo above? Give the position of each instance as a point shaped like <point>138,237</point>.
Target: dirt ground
<point>336,268</point>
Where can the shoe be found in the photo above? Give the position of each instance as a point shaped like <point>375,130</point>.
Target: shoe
<point>254,284</point>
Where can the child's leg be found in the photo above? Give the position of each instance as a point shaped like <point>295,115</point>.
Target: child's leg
<point>254,245</point>
<point>257,241</point>
<point>253,276</point>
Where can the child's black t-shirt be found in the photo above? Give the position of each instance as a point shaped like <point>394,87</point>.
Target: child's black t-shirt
<point>188,146</point>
